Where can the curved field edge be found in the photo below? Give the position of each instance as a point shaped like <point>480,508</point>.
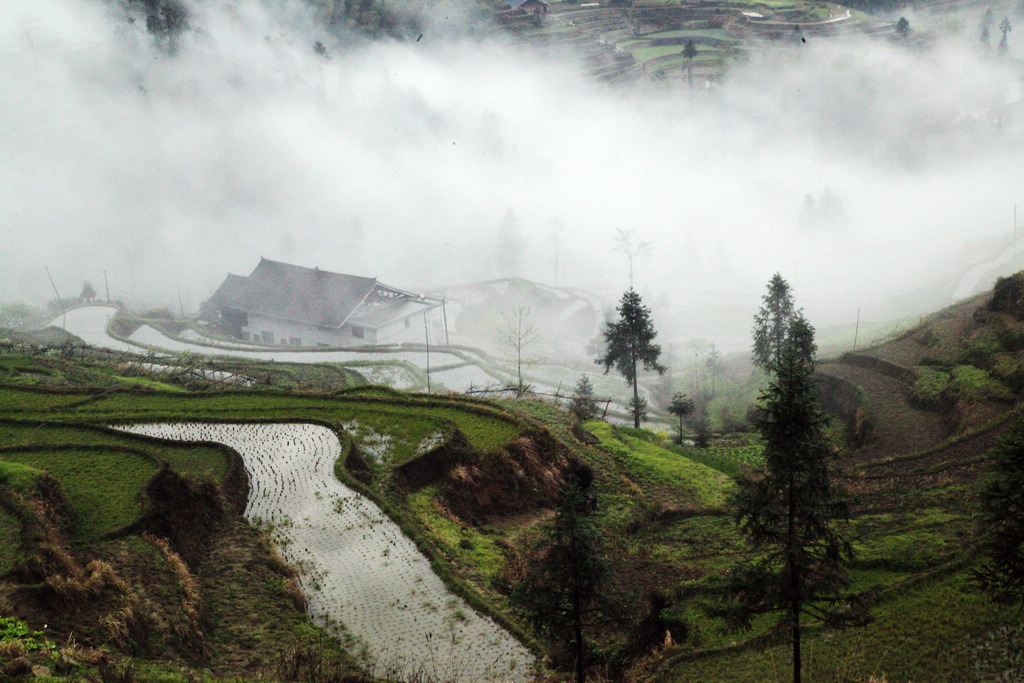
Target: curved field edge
<point>127,407</point>
<point>913,632</point>
<point>486,426</point>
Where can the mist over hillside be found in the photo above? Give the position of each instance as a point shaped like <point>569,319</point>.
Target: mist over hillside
<point>862,170</point>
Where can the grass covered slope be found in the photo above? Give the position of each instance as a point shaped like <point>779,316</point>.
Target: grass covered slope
<point>126,502</point>
<point>473,482</point>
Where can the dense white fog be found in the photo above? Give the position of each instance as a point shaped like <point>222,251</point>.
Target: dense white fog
<point>859,169</point>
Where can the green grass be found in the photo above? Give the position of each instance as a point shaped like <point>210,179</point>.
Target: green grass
<point>715,33</point>
<point>103,486</point>
<point>743,449</point>
<point>704,456</point>
<point>478,553</point>
<point>18,477</point>
<point>487,428</point>
<point>975,383</point>
<point>203,462</point>
<point>699,485</point>
<point>10,541</point>
<point>918,636</point>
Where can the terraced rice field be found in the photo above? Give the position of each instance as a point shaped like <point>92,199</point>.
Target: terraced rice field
<point>90,324</point>
<point>360,575</point>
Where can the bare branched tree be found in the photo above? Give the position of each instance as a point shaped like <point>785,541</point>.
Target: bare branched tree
<point>626,244</point>
<point>518,336</point>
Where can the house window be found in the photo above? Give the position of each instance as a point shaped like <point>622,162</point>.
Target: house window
<point>294,341</point>
<point>268,337</point>
<point>407,322</point>
<point>357,332</point>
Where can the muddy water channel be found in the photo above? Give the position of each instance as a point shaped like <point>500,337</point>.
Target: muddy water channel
<point>360,575</point>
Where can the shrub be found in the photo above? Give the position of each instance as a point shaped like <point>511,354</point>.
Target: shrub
<point>1008,295</point>
<point>974,383</point>
<point>582,404</point>
<point>929,386</point>
<point>981,350</point>
<point>1009,335</point>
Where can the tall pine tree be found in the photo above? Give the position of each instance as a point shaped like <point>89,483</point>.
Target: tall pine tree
<point>789,512</point>
<point>1001,522</point>
<point>562,591</point>
<point>771,324</point>
<point>629,344</point>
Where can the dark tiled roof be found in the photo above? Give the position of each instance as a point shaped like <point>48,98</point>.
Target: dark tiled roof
<point>307,295</point>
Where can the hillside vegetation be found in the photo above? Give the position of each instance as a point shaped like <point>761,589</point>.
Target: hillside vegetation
<point>123,552</point>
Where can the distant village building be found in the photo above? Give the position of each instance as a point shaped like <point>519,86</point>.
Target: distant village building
<point>535,7</point>
<point>283,304</point>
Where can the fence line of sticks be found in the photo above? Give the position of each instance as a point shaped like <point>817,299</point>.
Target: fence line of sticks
<point>525,390</point>
<point>177,365</point>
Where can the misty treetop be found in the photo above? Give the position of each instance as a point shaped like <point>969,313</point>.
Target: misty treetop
<point>629,343</point>
<point>778,324</point>
<point>772,322</point>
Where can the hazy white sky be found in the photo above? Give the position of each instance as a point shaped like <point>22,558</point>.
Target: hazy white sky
<point>402,160</point>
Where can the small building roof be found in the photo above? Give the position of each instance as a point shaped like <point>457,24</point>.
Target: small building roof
<point>316,297</point>
<point>306,295</point>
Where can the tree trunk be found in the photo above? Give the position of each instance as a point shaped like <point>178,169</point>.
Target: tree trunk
<point>577,619</point>
<point>636,395</point>
<point>796,642</point>
<point>794,582</point>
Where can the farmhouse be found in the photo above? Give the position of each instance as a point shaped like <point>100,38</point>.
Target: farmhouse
<point>279,303</point>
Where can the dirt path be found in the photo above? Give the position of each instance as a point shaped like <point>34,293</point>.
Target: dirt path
<point>899,427</point>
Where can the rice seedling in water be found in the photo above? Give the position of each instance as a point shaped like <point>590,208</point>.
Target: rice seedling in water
<point>359,569</point>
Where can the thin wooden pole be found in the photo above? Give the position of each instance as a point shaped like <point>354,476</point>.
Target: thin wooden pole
<point>426,335</point>
<point>444,312</point>
<point>60,301</point>
<point>856,330</point>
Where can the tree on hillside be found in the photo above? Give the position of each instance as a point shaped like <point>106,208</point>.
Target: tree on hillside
<point>518,336</point>
<point>1005,27</point>
<point>771,324</point>
<point>630,248</point>
<point>583,405</point>
<point>562,590</point>
<point>713,361</point>
<point>681,406</point>
<point>903,27</point>
<point>689,52</point>
<point>789,514</point>
<point>629,344</point>
<point>800,337</point>
<point>1001,521</point>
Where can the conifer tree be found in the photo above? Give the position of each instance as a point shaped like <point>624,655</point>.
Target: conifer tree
<point>583,405</point>
<point>1001,522</point>
<point>790,512</point>
<point>562,590</point>
<point>771,324</point>
<point>629,344</point>
<point>681,406</point>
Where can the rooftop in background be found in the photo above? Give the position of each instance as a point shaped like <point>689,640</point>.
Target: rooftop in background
<point>315,297</point>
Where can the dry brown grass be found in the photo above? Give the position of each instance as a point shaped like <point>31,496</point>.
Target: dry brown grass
<point>11,649</point>
<point>191,631</point>
<point>123,626</point>
<point>76,586</point>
